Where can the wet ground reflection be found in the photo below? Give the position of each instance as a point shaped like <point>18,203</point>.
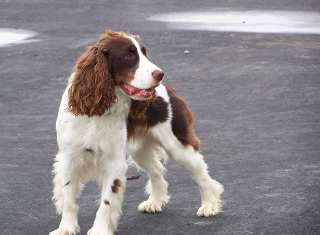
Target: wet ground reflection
<point>9,36</point>
<point>297,22</point>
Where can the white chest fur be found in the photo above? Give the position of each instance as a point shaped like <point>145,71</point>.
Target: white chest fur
<point>100,134</point>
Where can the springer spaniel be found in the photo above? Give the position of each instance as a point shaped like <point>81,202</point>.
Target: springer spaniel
<point>115,104</point>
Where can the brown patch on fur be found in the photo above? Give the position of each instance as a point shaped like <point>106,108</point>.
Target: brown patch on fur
<point>66,184</point>
<point>146,114</point>
<point>115,189</point>
<point>117,182</point>
<point>106,202</point>
<point>138,108</point>
<point>143,47</point>
<point>89,150</point>
<point>116,185</point>
<point>182,120</point>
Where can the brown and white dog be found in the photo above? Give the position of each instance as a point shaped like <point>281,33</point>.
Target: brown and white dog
<point>115,104</point>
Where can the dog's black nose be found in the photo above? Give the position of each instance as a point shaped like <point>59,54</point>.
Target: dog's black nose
<point>158,75</point>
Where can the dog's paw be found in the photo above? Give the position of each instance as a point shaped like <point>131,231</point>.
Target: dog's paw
<point>66,231</point>
<point>210,209</point>
<point>151,206</point>
<point>98,231</point>
<point>211,203</point>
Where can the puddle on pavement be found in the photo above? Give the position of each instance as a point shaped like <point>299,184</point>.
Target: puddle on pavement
<point>10,37</point>
<point>295,22</point>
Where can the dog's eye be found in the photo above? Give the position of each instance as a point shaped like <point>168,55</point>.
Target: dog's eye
<point>129,56</point>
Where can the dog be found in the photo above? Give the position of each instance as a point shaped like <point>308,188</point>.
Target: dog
<point>115,104</point>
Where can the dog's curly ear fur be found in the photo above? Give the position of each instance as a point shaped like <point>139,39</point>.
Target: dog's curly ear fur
<point>92,90</point>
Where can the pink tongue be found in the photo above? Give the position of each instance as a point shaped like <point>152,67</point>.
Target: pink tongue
<point>130,90</point>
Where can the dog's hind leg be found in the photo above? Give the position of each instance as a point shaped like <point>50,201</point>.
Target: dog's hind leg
<point>147,155</point>
<point>192,161</point>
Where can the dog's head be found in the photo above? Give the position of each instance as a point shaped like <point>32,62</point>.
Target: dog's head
<point>118,59</point>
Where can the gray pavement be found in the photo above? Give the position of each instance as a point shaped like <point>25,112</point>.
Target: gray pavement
<point>256,100</point>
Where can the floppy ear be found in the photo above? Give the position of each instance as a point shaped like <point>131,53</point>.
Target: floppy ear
<point>92,90</point>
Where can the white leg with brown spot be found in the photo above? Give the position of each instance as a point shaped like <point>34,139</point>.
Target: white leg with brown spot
<point>66,189</point>
<point>113,187</point>
<point>192,161</point>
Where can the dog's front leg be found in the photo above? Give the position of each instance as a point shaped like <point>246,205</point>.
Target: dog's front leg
<point>112,179</point>
<point>66,183</point>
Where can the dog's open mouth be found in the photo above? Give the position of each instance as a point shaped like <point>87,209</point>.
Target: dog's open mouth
<point>136,92</point>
